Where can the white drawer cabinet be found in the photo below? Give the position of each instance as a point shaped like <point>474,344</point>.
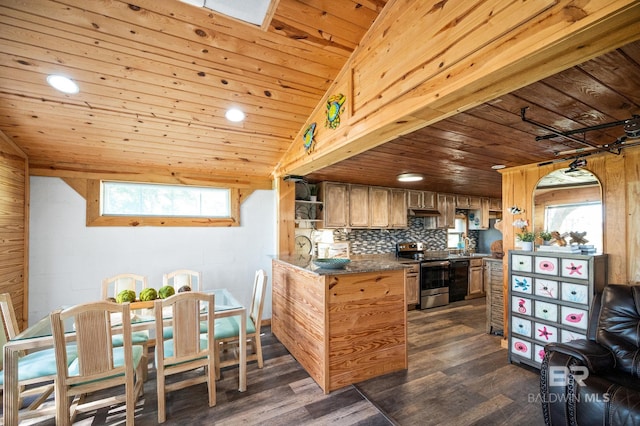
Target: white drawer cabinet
<point>550,296</point>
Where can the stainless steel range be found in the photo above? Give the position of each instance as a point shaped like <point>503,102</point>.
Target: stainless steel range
<point>434,273</point>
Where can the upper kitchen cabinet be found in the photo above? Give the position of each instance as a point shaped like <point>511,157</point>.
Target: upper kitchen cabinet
<point>447,208</point>
<point>362,206</point>
<point>495,204</point>
<point>335,212</point>
<point>479,218</point>
<point>398,209</point>
<point>468,202</point>
<point>421,200</point>
<point>379,205</point>
<point>359,206</point>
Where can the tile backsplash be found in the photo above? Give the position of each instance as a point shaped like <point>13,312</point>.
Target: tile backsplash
<point>374,241</point>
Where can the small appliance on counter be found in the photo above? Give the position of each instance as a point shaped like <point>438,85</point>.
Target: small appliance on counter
<point>434,272</point>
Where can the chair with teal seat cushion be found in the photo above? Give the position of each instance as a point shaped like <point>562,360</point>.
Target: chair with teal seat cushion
<point>227,331</point>
<point>179,279</point>
<point>111,286</point>
<point>35,369</point>
<point>188,349</point>
<point>99,364</point>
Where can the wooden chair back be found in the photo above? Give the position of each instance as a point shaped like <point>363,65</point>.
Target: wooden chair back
<point>111,286</point>
<point>94,324</point>
<point>9,327</point>
<point>181,277</point>
<point>186,350</point>
<point>257,299</point>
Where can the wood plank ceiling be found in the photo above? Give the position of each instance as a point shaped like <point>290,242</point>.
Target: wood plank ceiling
<point>157,77</point>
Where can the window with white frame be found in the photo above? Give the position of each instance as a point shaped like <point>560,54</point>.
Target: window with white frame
<point>455,235</point>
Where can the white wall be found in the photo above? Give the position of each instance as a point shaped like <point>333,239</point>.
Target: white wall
<point>68,260</point>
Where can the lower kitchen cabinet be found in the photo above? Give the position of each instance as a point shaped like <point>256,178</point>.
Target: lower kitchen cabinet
<point>412,291</point>
<point>550,296</point>
<point>476,282</point>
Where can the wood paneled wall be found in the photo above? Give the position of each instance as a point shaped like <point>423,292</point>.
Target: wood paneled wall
<point>14,230</point>
<point>619,176</point>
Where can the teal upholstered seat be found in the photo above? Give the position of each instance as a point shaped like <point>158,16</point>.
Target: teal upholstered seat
<point>118,359</point>
<point>229,327</point>
<point>99,365</point>
<point>169,348</point>
<point>137,338</point>
<point>167,332</point>
<point>40,364</point>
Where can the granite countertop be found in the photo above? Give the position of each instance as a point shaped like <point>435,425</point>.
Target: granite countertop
<point>358,265</point>
<point>366,263</point>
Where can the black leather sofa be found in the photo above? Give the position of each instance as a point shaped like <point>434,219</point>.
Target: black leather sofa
<point>607,391</point>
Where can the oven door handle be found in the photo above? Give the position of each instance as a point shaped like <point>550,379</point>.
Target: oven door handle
<point>435,263</point>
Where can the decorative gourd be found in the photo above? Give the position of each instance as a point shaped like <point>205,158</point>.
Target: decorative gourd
<point>126,296</point>
<point>166,291</point>
<point>148,294</point>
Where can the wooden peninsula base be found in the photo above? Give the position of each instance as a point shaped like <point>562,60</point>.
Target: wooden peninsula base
<point>342,327</point>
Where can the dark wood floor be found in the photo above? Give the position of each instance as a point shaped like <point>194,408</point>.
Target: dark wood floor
<point>457,375</point>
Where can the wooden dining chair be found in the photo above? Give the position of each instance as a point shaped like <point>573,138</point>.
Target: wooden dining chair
<point>177,279</point>
<point>111,286</point>
<point>227,331</point>
<point>188,349</point>
<point>100,364</point>
<point>36,370</point>
<point>182,277</point>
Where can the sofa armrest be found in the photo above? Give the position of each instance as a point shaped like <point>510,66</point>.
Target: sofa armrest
<point>595,357</point>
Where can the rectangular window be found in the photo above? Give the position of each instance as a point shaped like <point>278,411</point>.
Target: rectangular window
<point>119,203</point>
<point>144,199</point>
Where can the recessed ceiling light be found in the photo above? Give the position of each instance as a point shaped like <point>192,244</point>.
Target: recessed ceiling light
<point>410,177</point>
<point>234,114</point>
<point>63,84</point>
<point>498,166</point>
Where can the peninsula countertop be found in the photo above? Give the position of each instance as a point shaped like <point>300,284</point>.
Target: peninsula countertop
<point>359,264</point>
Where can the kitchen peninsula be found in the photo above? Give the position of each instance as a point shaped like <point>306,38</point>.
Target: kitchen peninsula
<point>343,326</point>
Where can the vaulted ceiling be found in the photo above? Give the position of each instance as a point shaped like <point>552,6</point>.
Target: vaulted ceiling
<point>156,78</point>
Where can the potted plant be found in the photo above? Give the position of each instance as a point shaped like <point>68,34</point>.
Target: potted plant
<point>313,192</point>
<point>545,236</point>
<point>526,238</point>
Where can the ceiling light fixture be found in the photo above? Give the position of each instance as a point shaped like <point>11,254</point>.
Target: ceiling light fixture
<point>235,115</point>
<point>410,177</point>
<point>498,166</point>
<point>63,84</point>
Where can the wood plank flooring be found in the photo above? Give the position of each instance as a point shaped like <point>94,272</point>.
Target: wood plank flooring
<point>457,375</point>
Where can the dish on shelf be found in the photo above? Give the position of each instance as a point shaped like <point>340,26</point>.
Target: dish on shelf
<point>331,263</point>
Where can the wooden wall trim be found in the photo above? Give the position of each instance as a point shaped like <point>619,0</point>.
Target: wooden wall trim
<point>549,36</point>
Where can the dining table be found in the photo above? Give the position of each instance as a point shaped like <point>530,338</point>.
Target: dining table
<point>39,336</point>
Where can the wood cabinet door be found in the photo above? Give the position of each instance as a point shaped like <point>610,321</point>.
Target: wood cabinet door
<point>476,202</point>
<point>414,199</point>
<point>398,209</point>
<point>447,208</point>
<point>379,207</point>
<point>429,200</point>
<point>462,201</point>
<point>336,205</point>
<point>495,204</point>
<point>359,206</point>
<point>476,280</point>
<point>412,292</point>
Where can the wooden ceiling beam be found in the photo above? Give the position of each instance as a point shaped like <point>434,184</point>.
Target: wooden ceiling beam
<point>478,59</point>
